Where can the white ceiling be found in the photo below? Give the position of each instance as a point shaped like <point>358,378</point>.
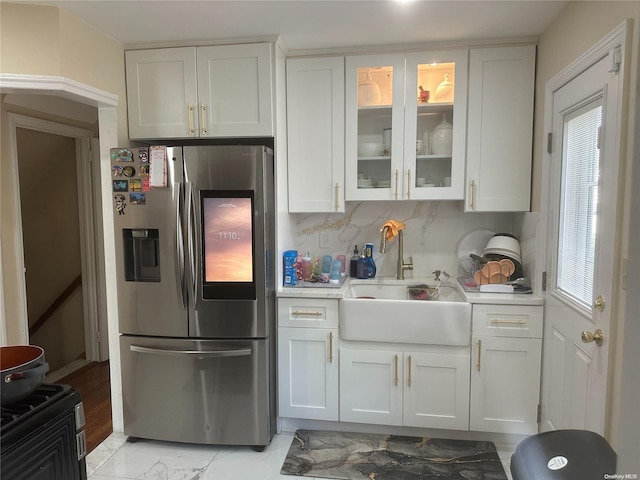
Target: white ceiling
<point>308,25</point>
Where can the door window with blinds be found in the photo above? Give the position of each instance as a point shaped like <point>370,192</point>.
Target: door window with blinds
<point>579,200</point>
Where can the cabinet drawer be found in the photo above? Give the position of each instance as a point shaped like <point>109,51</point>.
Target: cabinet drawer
<point>507,320</point>
<point>307,312</point>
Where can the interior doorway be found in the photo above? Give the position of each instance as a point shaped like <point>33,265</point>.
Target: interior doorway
<point>57,217</point>
<point>51,240</point>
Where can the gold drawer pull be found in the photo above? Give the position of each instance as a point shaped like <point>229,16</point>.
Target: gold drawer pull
<point>479,353</point>
<point>409,377</point>
<point>395,360</point>
<point>311,314</point>
<point>510,322</point>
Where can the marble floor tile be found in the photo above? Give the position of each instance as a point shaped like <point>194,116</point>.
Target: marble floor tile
<point>154,460</point>
<point>117,459</point>
<point>235,463</point>
<point>104,451</point>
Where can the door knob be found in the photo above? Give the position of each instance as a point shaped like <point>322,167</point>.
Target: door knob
<point>597,336</point>
<point>599,303</point>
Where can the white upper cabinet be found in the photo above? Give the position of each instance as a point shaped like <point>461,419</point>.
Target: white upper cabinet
<point>405,126</point>
<point>436,166</point>
<point>234,89</point>
<point>190,92</point>
<point>500,129</point>
<point>315,132</point>
<point>162,92</point>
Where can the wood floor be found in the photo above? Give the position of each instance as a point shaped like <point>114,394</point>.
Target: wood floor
<point>93,382</point>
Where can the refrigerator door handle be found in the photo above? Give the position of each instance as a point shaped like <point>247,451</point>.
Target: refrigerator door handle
<point>191,237</point>
<point>180,244</point>
<point>239,352</point>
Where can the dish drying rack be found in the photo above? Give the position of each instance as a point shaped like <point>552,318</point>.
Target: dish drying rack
<point>493,277</point>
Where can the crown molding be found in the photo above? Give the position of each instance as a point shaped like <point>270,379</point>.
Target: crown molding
<point>60,86</point>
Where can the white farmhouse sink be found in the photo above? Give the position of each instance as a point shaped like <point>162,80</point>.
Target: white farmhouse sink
<point>380,311</point>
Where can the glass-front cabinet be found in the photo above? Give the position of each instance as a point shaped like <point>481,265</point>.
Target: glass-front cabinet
<point>405,126</point>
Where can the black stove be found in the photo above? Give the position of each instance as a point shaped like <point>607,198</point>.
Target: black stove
<point>42,436</point>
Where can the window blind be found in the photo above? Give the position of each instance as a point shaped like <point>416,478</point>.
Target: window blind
<point>579,202</point>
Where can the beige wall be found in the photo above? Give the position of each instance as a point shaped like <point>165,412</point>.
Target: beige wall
<point>34,50</point>
<point>41,40</point>
<point>580,26</point>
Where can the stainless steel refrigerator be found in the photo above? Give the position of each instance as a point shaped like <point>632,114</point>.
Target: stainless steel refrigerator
<point>195,242</point>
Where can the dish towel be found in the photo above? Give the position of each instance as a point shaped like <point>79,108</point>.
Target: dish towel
<point>394,226</point>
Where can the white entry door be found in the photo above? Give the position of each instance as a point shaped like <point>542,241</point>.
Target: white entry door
<point>581,215</point>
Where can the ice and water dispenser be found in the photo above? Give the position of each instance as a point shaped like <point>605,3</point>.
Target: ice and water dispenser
<point>141,254</point>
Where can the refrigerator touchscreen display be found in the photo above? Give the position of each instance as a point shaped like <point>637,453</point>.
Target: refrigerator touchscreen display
<point>228,237</point>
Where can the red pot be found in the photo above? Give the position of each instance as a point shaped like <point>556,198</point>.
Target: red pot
<point>23,369</point>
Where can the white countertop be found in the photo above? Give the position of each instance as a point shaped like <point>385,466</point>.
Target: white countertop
<point>471,297</point>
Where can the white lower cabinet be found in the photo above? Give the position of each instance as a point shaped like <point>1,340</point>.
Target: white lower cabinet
<point>308,358</point>
<point>396,387</point>
<point>308,373</point>
<point>492,386</point>
<point>370,386</point>
<point>437,391</point>
<point>505,375</point>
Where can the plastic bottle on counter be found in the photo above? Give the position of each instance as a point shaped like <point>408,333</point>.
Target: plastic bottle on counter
<point>306,267</point>
<point>336,267</point>
<point>371,264</point>
<point>326,264</point>
<point>289,259</point>
<point>343,264</point>
<point>363,266</point>
<point>353,263</point>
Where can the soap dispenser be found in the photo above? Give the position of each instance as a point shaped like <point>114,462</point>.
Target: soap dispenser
<point>371,264</point>
<point>353,263</point>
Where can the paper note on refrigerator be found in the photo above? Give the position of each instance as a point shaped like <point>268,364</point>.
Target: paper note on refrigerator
<point>158,166</point>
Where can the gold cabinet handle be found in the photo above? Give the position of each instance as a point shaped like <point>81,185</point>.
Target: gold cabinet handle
<point>298,313</point>
<point>396,194</point>
<point>479,353</point>
<point>337,192</point>
<point>472,191</point>
<point>597,337</point>
<point>409,184</point>
<point>190,118</point>
<point>409,376</point>
<point>203,119</point>
<point>330,347</point>
<point>395,380</point>
<point>510,322</point>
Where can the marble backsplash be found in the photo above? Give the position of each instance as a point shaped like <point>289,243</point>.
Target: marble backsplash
<point>433,231</point>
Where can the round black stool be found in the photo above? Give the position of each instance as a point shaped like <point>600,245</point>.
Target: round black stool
<point>563,455</point>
